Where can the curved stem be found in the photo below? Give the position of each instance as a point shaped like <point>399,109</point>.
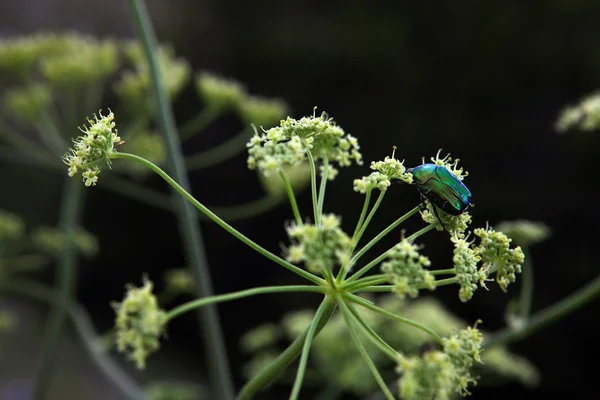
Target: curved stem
<point>313,183</point>
<point>322,187</point>
<point>548,315</point>
<point>214,344</point>
<point>373,336</point>
<point>279,365</point>
<point>382,257</point>
<point>71,205</point>
<point>449,271</point>
<point>447,281</point>
<point>219,153</point>
<point>291,196</point>
<point>363,213</point>
<point>374,289</point>
<point>380,236</point>
<point>369,217</point>
<point>306,348</point>
<point>194,304</point>
<point>184,193</point>
<point>86,332</point>
<point>198,123</point>
<point>358,300</point>
<point>363,352</point>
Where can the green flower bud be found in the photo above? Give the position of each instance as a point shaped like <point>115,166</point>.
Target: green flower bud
<point>283,145</point>
<point>496,255</point>
<point>584,116</point>
<point>92,150</point>
<point>179,280</point>
<point>84,61</point>
<point>52,241</point>
<point>525,233</point>
<point>135,86</point>
<point>220,93</point>
<point>262,112</point>
<point>261,337</point>
<point>28,103</point>
<point>319,248</point>
<point>465,264</point>
<point>18,55</point>
<point>406,270</point>
<point>12,226</point>
<point>139,323</point>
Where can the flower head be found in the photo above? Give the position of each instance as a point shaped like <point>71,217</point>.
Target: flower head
<point>496,255</point>
<point>218,92</point>
<point>381,179</point>
<point>92,150</point>
<point>287,143</point>
<point>406,270</point>
<point>439,374</point>
<point>320,248</point>
<point>466,261</point>
<point>450,164</point>
<point>584,116</point>
<point>139,323</point>
<point>262,111</point>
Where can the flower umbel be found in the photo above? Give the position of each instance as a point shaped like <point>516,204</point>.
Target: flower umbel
<point>320,249</point>
<point>405,269</point>
<point>139,323</point>
<point>381,179</point>
<point>496,254</point>
<point>285,145</point>
<point>91,150</point>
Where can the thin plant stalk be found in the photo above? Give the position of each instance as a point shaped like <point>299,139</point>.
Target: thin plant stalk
<point>71,205</point>
<point>198,123</point>
<point>187,196</point>
<point>306,348</point>
<point>219,371</point>
<point>291,196</point>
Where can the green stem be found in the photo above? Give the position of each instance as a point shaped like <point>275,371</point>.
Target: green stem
<point>447,281</point>
<point>449,271</point>
<point>382,257</point>
<point>86,332</point>
<point>194,304</point>
<point>358,300</point>
<point>71,205</point>
<point>363,352</point>
<point>290,192</point>
<point>219,372</point>
<point>373,336</point>
<point>368,220</point>
<point>322,187</point>
<point>219,153</point>
<point>198,123</point>
<point>313,183</point>
<point>363,214</point>
<point>279,365</point>
<point>526,298</point>
<point>374,289</point>
<point>381,235</point>
<point>368,281</point>
<point>306,348</point>
<point>185,195</point>
<point>548,315</point>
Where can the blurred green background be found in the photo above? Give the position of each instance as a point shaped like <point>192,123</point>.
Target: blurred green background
<point>482,80</point>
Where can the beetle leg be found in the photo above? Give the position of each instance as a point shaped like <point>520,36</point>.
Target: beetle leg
<point>438,217</point>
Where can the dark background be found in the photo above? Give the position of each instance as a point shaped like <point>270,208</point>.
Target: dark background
<point>482,80</point>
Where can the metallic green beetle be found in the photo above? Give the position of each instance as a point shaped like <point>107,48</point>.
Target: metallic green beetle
<point>444,190</point>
